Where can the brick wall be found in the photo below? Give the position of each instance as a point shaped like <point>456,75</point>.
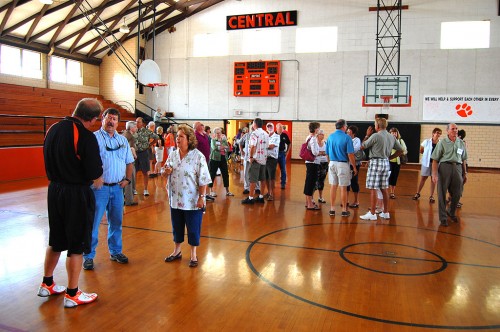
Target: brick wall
<point>480,148</point>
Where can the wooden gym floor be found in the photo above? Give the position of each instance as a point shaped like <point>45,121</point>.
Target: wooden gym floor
<point>270,267</point>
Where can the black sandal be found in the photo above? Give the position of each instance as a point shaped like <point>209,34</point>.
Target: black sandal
<point>173,257</point>
<point>416,197</point>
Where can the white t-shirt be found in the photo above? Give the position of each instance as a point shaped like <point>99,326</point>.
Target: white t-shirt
<point>260,139</point>
<point>274,139</point>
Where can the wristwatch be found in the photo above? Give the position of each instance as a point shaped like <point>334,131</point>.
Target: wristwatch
<point>126,179</point>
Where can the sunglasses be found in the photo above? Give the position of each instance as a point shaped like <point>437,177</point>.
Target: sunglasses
<point>109,148</point>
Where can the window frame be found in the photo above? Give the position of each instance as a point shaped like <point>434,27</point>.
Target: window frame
<point>68,79</point>
<point>20,69</point>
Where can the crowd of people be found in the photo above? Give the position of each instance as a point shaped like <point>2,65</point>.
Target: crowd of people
<point>94,173</point>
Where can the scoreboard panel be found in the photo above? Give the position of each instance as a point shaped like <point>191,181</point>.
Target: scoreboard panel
<point>257,79</point>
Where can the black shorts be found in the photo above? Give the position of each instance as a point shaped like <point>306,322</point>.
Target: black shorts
<point>71,216</point>
<point>271,165</point>
<point>142,161</point>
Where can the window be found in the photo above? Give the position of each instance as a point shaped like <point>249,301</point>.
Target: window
<point>315,40</point>
<point>31,62</point>
<point>210,44</point>
<point>16,61</point>
<point>65,71</point>
<point>266,41</point>
<point>465,35</point>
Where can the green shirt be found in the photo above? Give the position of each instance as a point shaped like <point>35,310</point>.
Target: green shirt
<point>448,151</point>
<point>215,148</point>
<point>143,137</point>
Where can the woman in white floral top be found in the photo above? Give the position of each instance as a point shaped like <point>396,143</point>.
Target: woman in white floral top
<point>188,175</point>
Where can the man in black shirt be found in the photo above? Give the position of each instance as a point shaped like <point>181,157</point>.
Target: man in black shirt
<point>72,163</point>
<point>282,152</point>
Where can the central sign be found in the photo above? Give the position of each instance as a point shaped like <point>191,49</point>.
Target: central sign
<point>261,20</point>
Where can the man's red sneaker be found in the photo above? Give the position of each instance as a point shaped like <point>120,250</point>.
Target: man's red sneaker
<point>53,289</point>
<point>79,299</point>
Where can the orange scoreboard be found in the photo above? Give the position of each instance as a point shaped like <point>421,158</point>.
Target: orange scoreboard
<point>257,79</point>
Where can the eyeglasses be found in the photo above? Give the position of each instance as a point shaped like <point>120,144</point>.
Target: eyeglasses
<point>111,149</point>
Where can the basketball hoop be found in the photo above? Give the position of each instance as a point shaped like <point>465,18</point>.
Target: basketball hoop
<point>387,91</point>
<point>386,103</point>
<point>160,88</point>
<point>154,85</point>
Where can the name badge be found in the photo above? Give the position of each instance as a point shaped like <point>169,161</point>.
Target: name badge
<point>460,151</point>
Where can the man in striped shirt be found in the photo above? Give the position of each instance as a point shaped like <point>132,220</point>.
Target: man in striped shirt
<point>117,162</point>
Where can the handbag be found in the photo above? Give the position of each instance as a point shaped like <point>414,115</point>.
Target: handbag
<point>305,153</point>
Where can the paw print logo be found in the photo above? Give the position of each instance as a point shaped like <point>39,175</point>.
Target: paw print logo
<point>464,110</point>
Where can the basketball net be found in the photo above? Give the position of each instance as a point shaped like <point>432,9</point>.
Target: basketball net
<point>386,103</point>
<point>158,88</point>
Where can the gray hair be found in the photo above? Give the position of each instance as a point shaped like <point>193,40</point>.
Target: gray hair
<point>130,124</point>
<point>151,124</point>
<point>340,124</point>
<point>449,125</point>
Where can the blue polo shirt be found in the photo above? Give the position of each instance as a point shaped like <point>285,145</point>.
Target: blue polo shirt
<point>338,146</point>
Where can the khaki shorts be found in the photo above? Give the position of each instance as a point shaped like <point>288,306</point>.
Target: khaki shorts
<point>257,172</point>
<point>339,173</point>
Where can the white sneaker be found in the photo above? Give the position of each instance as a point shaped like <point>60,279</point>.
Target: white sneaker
<point>213,194</point>
<point>385,215</point>
<point>135,192</point>
<point>79,299</point>
<point>369,216</point>
<point>53,289</point>
<point>146,192</point>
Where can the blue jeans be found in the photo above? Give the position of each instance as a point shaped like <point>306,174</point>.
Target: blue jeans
<point>282,163</point>
<point>109,199</point>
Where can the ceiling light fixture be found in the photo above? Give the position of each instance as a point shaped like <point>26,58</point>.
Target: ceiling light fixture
<point>124,28</point>
<point>46,2</point>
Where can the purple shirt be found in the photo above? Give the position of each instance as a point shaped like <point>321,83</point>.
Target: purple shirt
<point>203,145</point>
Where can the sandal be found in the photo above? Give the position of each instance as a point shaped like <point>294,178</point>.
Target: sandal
<point>432,200</point>
<point>315,207</point>
<point>353,206</point>
<point>392,196</point>
<point>416,197</point>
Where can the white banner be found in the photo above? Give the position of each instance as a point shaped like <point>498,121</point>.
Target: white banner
<point>461,108</point>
